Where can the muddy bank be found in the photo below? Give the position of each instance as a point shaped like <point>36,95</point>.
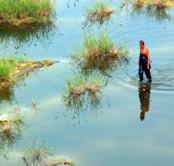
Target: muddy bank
<point>21,69</point>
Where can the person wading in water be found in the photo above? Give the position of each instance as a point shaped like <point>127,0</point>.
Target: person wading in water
<point>144,62</point>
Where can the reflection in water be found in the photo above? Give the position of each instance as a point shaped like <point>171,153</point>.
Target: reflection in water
<point>6,96</point>
<point>159,14</point>
<point>27,34</point>
<point>76,107</point>
<point>36,154</point>
<point>73,1</point>
<point>11,126</point>
<point>144,96</point>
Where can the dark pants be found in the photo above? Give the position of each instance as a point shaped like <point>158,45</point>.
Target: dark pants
<point>143,69</point>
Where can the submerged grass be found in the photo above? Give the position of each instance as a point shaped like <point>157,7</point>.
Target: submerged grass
<point>98,12</point>
<point>98,52</point>
<point>24,12</point>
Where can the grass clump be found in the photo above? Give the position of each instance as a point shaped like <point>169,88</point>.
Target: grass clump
<point>99,12</point>
<point>5,68</point>
<point>25,12</point>
<point>98,52</point>
<point>158,4</point>
<point>156,8</point>
<point>81,90</point>
<point>7,65</point>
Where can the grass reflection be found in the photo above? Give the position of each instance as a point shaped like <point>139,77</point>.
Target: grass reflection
<point>11,126</point>
<point>26,34</point>
<point>36,154</point>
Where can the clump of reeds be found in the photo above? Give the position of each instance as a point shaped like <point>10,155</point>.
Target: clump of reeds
<point>99,12</point>
<point>8,134</point>
<point>25,12</point>
<point>138,4</point>
<point>98,52</point>
<point>158,4</point>
<point>80,90</point>
<point>36,154</point>
<point>7,65</point>
<point>153,7</point>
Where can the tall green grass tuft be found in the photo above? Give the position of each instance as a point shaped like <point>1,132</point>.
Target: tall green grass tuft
<point>5,68</point>
<point>8,64</point>
<point>18,12</point>
<point>98,51</point>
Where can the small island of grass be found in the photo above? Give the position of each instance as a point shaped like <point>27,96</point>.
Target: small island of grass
<point>157,4</point>
<point>25,12</point>
<point>12,68</point>
<point>81,91</point>
<point>99,12</point>
<point>98,52</point>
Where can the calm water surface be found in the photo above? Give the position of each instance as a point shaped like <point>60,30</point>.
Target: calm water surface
<point>112,134</point>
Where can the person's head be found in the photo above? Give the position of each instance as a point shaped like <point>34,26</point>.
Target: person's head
<point>142,44</point>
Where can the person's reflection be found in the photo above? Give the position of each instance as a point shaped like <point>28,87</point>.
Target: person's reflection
<point>144,95</point>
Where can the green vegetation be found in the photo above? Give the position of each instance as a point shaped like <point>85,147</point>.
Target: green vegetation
<point>155,8</point>
<point>25,12</point>
<point>99,12</point>
<point>81,90</point>
<point>159,4</point>
<point>13,68</point>
<point>8,64</point>
<point>98,52</point>
<point>78,85</point>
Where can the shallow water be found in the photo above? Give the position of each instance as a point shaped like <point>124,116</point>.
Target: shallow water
<point>111,134</point>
